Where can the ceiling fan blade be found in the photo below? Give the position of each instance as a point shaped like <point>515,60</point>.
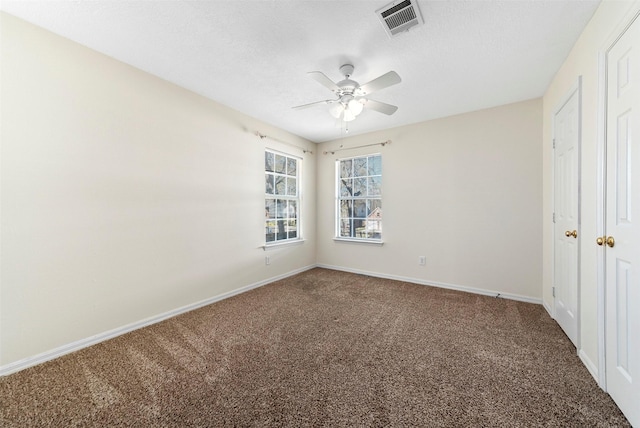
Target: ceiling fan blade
<point>380,107</point>
<point>303,106</point>
<point>321,78</point>
<point>389,79</point>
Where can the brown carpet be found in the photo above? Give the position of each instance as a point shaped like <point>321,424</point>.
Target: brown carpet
<point>323,348</point>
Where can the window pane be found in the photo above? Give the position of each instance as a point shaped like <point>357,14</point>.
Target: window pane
<point>292,166</point>
<point>293,209</point>
<point>360,208</point>
<point>346,168</point>
<point>375,184</point>
<point>280,185</point>
<point>287,210</point>
<point>270,231</point>
<point>270,208</point>
<point>282,208</point>
<point>359,187</point>
<point>346,207</point>
<point>346,187</point>
<point>375,165</point>
<point>269,184</point>
<point>373,229</point>
<point>345,227</point>
<point>282,231</point>
<point>291,186</point>
<point>292,229</point>
<point>281,164</point>
<point>268,161</point>
<point>374,208</point>
<point>360,167</point>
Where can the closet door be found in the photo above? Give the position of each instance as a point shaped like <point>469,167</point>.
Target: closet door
<point>622,224</point>
<point>566,142</point>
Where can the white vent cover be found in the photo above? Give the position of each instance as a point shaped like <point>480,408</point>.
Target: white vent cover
<point>399,16</point>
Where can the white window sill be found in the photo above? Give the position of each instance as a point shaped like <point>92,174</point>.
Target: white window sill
<point>273,246</point>
<point>375,242</point>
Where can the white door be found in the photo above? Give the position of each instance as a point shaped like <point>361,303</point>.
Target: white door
<point>622,224</point>
<point>566,191</point>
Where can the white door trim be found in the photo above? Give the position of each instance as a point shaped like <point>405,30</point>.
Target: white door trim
<point>632,14</point>
<point>576,88</point>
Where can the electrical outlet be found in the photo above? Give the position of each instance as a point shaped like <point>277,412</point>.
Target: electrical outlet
<point>267,260</point>
<point>422,260</point>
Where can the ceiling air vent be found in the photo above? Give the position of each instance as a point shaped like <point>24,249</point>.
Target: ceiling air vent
<point>399,16</point>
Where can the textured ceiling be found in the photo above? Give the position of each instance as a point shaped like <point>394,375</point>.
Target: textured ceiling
<point>253,56</point>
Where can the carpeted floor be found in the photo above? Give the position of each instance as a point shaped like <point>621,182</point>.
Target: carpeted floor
<point>323,348</point>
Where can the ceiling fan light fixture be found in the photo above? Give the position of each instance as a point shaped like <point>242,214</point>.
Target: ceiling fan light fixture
<point>355,107</point>
<point>336,110</point>
<point>348,115</point>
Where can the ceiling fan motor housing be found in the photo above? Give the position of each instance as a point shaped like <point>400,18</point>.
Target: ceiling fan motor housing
<point>346,70</point>
<point>347,86</point>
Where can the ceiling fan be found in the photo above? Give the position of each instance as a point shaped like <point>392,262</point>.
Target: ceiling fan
<point>352,96</point>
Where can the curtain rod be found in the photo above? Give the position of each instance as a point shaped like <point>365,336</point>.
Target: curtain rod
<point>384,143</point>
<point>263,136</point>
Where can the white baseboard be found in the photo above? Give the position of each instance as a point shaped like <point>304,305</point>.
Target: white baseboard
<point>548,308</point>
<point>473,290</point>
<point>93,340</point>
<point>593,369</point>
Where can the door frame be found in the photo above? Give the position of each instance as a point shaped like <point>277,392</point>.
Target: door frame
<point>576,88</point>
<point>630,16</point>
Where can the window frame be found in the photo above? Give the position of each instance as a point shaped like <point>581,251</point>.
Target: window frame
<point>367,198</point>
<point>297,198</point>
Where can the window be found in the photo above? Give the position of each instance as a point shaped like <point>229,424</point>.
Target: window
<point>282,197</point>
<point>359,198</point>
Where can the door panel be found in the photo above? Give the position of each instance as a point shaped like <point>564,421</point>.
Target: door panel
<point>623,214</point>
<point>622,211</point>
<point>566,205</point>
<point>623,277</point>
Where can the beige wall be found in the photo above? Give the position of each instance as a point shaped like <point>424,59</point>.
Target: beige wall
<point>123,196</point>
<point>464,191</point>
<point>582,61</point>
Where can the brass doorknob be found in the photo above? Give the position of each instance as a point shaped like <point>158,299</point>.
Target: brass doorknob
<point>573,233</point>
<point>611,242</point>
<point>600,240</point>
